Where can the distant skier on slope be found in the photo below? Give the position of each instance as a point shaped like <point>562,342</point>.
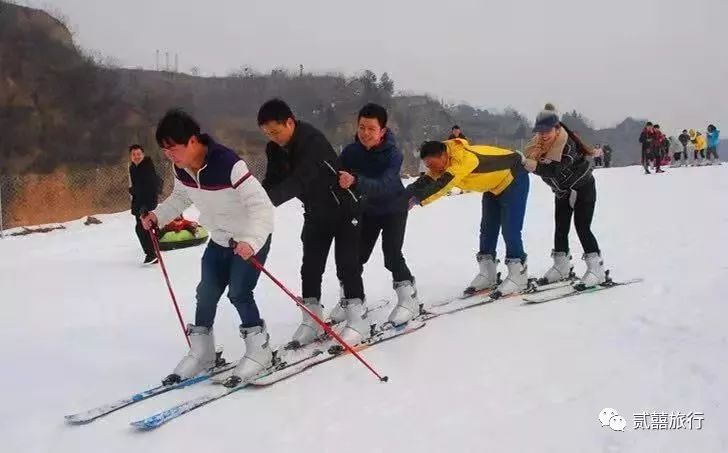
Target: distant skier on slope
<point>499,174</point>
<point>658,148</point>
<point>232,205</point>
<point>699,141</point>
<point>302,164</point>
<point>713,140</point>
<point>372,166</point>
<point>607,156</point>
<point>646,138</point>
<point>676,150</point>
<point>558,156</point>
<point>684,139</point>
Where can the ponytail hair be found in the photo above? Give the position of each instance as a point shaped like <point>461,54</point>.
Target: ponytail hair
<point>583,147</point>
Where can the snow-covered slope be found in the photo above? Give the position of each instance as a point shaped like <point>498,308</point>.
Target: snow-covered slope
<point>83,323</point>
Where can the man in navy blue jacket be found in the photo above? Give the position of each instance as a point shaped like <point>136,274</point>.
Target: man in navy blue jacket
<point>371,167</point>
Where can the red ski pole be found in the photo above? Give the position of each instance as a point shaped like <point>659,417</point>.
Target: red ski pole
<point>254,261</point>
<point>155,242</point>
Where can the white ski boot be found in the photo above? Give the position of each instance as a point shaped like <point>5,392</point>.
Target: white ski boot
<point>517,279</point>
<point>258,355</point>
<point>408,304</point>
<point>337,313</point>
<point>488,276</point>
<point>595,273</point>
<point>561,270</point>
<point>357,327</point>
<point>309,330</point>
<point>200,357</point>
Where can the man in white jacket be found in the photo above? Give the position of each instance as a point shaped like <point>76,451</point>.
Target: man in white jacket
<point>233,205</point>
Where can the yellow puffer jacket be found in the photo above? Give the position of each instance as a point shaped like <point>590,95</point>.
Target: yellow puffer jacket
<point>700,143</point>
<point>475,168</point>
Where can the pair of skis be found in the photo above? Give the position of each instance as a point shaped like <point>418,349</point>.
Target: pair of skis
<point>575,289</point>
<point>90,415</point>
<point>276,373</point>
<point>318,353</point>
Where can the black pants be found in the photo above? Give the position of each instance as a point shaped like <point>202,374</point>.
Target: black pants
<point>317,235</point>
<point>583,212</point>
<point>699,153</point>
<point>713,152</point>
<point>144,239</point>
<point>393,227</point>
<point>646,159</point>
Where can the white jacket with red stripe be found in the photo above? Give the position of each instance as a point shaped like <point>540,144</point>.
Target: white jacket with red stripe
<point>231,201</point>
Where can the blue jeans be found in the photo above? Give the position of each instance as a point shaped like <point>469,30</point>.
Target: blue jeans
<point>222,268</point>
<point>506,210</point>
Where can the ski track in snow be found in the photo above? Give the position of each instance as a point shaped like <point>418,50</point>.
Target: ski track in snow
<point>84,323</point>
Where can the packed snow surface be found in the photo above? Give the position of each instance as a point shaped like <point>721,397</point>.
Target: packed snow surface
<point>83,323</point>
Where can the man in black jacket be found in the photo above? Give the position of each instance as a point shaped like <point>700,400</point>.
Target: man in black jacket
<point>684,139</point>
<point>302,164</point>
<point>144,188</point>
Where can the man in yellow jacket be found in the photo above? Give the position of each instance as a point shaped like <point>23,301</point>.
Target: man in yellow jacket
<point>499,174</point>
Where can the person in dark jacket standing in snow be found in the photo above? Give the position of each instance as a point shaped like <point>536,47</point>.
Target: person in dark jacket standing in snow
<point>647,138</point>
<point>371,167</point>
<point>559,157</point>
<point>684,139</point>
<point>144,187</point>
<point>660,148</point>
<point>607,150</point>
<point>302,164</point>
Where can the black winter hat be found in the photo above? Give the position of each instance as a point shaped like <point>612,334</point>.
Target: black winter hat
<point>547,119</point>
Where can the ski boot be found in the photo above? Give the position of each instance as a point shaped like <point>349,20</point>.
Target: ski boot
<point>487,278</point>
<point>356,329</point>
<point>595,273</point>
<point>408,304</point>
<point>337,313</point>
<point>201,356</point>
<point>560,271</point>
<point>309,330</point>
<point>258,355</point>
<point>516,281</point>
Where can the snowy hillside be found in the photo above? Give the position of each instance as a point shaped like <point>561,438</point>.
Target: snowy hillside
<point>83,323</point>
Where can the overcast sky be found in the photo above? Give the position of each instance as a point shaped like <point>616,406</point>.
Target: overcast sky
<point>665,60</point>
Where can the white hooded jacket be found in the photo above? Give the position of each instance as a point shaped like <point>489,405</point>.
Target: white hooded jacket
<point>231,201</point>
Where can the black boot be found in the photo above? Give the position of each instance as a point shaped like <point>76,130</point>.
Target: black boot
<point>150,259</point>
